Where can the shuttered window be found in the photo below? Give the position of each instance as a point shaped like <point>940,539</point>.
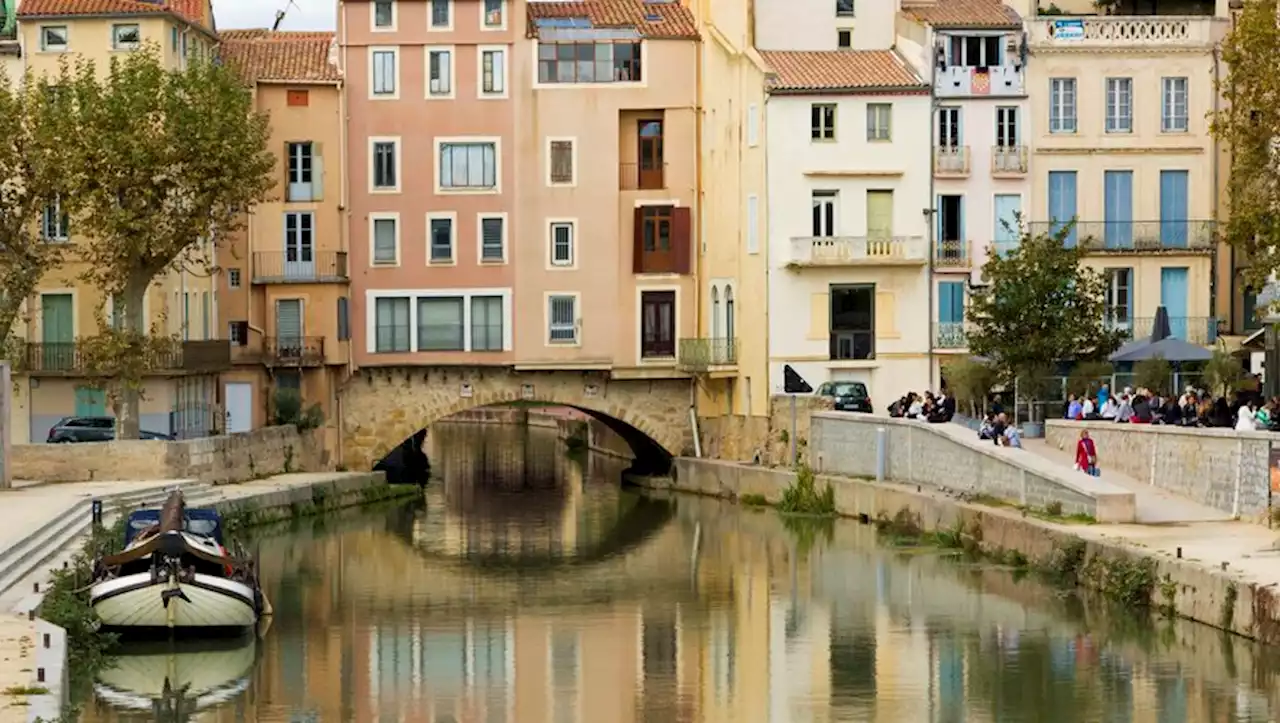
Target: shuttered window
<point>491,245</point>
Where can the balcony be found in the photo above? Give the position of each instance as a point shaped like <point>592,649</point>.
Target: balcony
<point>1118,31</point>
<point>951,161</point>
<point>283,267</point>
<point>858,251</point>
<point>70,360</point>
<point>642,176</point>
<point>950,335</point>
<point>1136,237</point>
<point>1008,160</point>
<point>958,81</point>
<point>700,355</point>
<point>304,351</point>
<point>1202,330</point>
<point>955,255</point>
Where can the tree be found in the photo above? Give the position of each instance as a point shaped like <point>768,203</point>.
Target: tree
<point>1223,372</point>
<point>1249,125</point>
<point>1086,378</point>
<point>1154,374</point>
<point>33,159</point>
<point>165,164</point>
<point>1042,306</point>
<point>968,381</point>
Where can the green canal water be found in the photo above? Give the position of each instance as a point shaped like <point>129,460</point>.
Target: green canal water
<point>527,587</point>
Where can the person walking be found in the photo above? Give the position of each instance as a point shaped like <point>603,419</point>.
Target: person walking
<point>1087,454</point>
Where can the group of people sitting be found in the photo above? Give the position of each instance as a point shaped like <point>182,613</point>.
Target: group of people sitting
<point>996,427</point>
<point>1193,408</point>
<point>937,409</point>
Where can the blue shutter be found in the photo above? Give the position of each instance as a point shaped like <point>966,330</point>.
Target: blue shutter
<point>951,302</point>
<point>1118,227</point>
<point>1173,209</point>
<point>1173,297</point>
<point>1062,202</point>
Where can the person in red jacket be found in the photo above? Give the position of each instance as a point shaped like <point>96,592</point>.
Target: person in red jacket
<point>1086,454</point>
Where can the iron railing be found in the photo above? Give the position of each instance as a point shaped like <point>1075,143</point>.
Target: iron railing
<point>952,254</point>
<point>1202,330</point>
<point>700,354</point>
<point>71,359</point>
<point>281,267</point>
<point>296,351</point>
<point>638,177</point>
<point>1136,236</point>
<point>950,335</point>
<point>858,251</point>
<point>1008,160</point>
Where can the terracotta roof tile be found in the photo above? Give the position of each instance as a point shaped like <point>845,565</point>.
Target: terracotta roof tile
<point>263,55</point>
<point>191,11</point>
<point>673,20</point>
<point>965,14</point>
<point>848,71</point>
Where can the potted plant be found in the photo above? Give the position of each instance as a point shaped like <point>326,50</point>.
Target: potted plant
<point>1035,385</point>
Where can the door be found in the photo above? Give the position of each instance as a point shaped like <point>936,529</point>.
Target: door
<point>239,399</point>
<point>1062,203</point>
<point>1008,210</point>
<point>1118,209</point>
<point>949,128</point>
<point>57,332</point>
<point>1120,298</point>
<point>299,246</point>
<point>879,221</point>
<point>288,329</point>
<point>1173,297</point>
<point>950,239</point>
<point>1007,128</point>
<point>950,315</point>
<point>651,163</point>
<point>824,213</point>
<point>91,402</point>
<point>657,324</point>
<point>1173,209</point>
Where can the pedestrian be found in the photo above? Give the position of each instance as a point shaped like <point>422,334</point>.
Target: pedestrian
<point>1087,455</point>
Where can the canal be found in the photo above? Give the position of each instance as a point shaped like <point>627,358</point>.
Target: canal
<point>527,586</point>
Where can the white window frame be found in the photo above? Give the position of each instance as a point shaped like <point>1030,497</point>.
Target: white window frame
<point>372,319</point>
<point>65,229</point>
<point>452,218</point>
<point>1170,121</point>
<point>822,128</point>
<point>233,278</point>
<point>441,141</point>
<point>46,47</point>
<point>506,232</point>
<point>373,17</point>
<point>752,222</point>
<point>374,50</point>
<point>572,262</point>
<point>577,318</point>
<point>115,36</point>
<point>1060,112</point>
<point>395,140</point>
<point>753,125</point>
<point>431,27</point>
<point>481,93</point>
<point>373,249</point>
<point>452,52</point>
<point>371,297</point>
<point>1118,109</point>
<point>484,24</point>
<point>573,160</point>
<point>875,132</point>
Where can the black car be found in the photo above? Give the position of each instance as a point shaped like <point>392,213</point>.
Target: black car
<point>91,429</point>
<point>849,396</point>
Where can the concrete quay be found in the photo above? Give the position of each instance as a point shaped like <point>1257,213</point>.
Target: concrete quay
<point>45,525</point>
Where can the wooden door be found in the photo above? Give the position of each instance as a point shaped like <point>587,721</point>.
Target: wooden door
<point>650,154</point>
<point>657,324</point>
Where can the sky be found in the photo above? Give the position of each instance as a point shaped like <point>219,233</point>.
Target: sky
<point>300,14</point>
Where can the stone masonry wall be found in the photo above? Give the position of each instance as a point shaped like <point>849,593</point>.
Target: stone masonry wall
<point>1222,468</point>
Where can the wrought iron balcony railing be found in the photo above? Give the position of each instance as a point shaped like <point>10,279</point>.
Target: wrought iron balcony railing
<point>1202,330</point>
<point>71,359</point>
<point>952,254</point>
<point>1127,237</point>
<point>295,351</point>
<point>950,335</point>
<point>698,355</point>
<point>299,267</point>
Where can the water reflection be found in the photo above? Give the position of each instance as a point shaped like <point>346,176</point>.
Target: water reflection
<point>501,600</point>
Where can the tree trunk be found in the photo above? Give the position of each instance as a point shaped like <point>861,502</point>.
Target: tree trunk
<point>129,311</point>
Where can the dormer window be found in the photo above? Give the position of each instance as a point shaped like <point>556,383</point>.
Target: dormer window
<point>616,61</point>
<point>126,36</point>
<point>53,38</point>
<point>975,51</point>
<point>844,8</point>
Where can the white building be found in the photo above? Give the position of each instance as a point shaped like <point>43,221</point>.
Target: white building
<point>849,209</point>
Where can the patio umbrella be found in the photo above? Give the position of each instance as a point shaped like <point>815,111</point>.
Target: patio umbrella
<point>1171,349</point>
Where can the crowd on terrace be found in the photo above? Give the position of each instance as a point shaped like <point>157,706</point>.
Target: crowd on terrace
<point>1244,411</point>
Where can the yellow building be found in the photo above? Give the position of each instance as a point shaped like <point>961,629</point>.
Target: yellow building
<point>180,394</point>
<point>283,283</point>
<point>1121,143</point>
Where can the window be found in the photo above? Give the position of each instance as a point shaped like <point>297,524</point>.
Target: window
<point>384,14</point>
<point>494,17</point>
<point>53,38</point>
<point>55,224</point>
<point>1173,116</point>
<point>233,278</point>
<point>844,8</point>
<point>440,240</point>
<point>441,18</point>
<point>384,73</point>
<point>297,98</point>
<point>879,121</point>
<point>1119,298</point>
<point>1119,105</point>
<point>824,213</point>
<point>753,125</point>
<point>301,169</point>
<point>589,62</point>
<point>439,73</point>
<point>562,243</point>
<point>492,245</point>
<point>486,323</point>
<point>753,224</point>
<point>822,121</point>
<point>1007,127</point>
<point>560,162</point>
<point>657,324</point>
<point>391,325</point>
<point>238,332</point>
<point>853,326</point>
<point>440,324</point>
<point>493,72</point>
<point>562,319</point>
<point>949,127</point>
<point>844,39</point>
<point>386,241</point>
<point>468,166</point>
<point>974,51</point>
<point>173,39</point>
<point>344,318</point>
<point>1062,105</point>
<point>386,166</point>
<point>299,244</point>
<point>126,36</point>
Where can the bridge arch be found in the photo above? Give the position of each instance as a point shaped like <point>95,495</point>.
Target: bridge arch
<point>383,406</point>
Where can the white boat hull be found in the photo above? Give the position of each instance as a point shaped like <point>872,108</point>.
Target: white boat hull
<point>136,682</point>
<point>134,601</point>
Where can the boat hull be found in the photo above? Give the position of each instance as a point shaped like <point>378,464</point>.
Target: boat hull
<point>206,602</point>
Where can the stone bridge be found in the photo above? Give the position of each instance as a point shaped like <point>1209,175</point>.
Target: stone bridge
<point>383,406</point>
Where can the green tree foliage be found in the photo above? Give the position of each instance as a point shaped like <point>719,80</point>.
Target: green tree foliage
<point>164,164</point>
<point>968,382</point>
<point>1223,372</point>
<point>1249,124</point>
<point>1088,377</point>
<point>1155,374</point>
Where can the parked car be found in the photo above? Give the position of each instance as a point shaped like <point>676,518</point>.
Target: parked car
<point>848,396</point>
<point>91,429</point>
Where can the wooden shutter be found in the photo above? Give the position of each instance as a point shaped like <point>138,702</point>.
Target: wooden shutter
<point>285,159</point>
<point>637,242</point>
<point>317,171</point>
<point>681,238</point>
